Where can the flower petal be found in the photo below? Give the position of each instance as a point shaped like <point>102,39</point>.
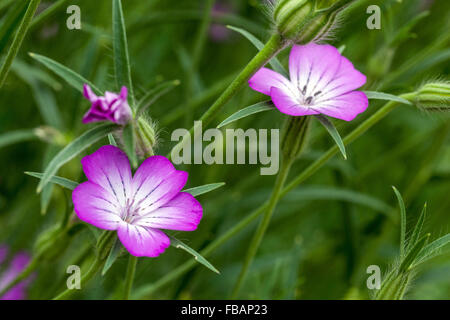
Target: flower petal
<point>345,107</point>
<point>182,213</point>
<point>286,104</point>
<point>143,242</point>
<point>88,93</point>
<point>312,66</point>
<point>156,182</point>
<point>265,78</point>
<point>96,206</point>
<point>347,79</point>
<point>109,168</point>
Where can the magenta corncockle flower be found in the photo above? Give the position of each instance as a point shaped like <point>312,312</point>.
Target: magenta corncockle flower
<point>322,81</point>
<point>111,107</point>
<point>12,270</point>
<point>136,206</point>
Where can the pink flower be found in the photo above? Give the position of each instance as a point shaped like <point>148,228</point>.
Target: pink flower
<point>112,107</point>
<point>322,81</point>
<point>15,267</point>
<point>139,206</point>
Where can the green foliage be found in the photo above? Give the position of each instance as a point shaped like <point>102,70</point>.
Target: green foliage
<point>334,217</point>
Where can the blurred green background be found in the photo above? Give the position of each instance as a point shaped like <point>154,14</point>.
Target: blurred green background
<point>324,234</point>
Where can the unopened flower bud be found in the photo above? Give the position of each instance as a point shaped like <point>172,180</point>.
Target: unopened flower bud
<point>302,21</point>
<point>145,137</point>
<point>434,96</point>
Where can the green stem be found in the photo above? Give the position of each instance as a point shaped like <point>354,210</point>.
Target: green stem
<point>18,39</point>
<point>131,270</point>
<point>93,270</point>
<point>308,172</point>
<point>262,228</point>
<point>272,47</point>
<point>22,276</point>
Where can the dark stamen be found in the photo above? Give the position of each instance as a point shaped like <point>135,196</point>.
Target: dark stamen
<point>304,90</point>
<point>317,93</point>
<point>308,100</point>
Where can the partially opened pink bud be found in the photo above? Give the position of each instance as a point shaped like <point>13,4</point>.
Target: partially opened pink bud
<point>111,107</point>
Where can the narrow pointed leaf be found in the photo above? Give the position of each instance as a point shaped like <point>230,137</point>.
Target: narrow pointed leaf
<point>180,245</point>
<point>247,111</point>
<point>274,62</point>
<point>71,77</point>
<point>73,149</point>
<point>63,182</point>
<point>401,204</point>
<point>120,48</point>
<point>385,96</point>
<point>418,228</point>
<point>333,133</point>
<point>196,191</point>
<point>18,39</point>
<point>113,255</point>
<point>153,95</point>
<point>432,249</point>
<point>413,253</point>
<point>130,143</point>
<point>10,22</point>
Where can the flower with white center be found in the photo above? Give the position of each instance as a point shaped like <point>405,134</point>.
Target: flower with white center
<point>136,206</point>
<point>322,81</point>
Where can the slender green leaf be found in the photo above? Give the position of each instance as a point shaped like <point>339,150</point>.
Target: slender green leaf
<point>129,142</point>
<point>247,111</point>
<point>274,62</point>
<point>153,95</point>
<point>73,149</point>
<point>180,245</point>
<point>18,39</point>
<point>10,22</point>
<point>417,229</point>
<point>401,204</point>
<point>113,255</point>
<point>333,133</point>
<point>71,77</point>
<point>432,249</point>
<point>413,253</point>
<point>385,96</point>
<point>13,137</point>
<point>196,191</point>
<point>120,46</point>
<point>63,182</point>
